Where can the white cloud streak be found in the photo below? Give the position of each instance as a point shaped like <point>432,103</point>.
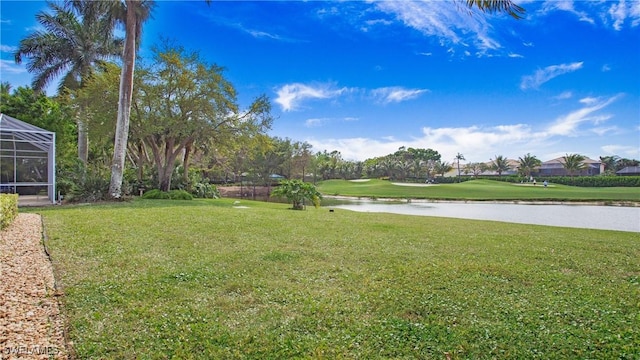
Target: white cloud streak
<point>7,48</point>
<point>541,76</point>
<point>396,94</point>
<point>447,21</point>
<point>291,96</point>
<point>10,67</point>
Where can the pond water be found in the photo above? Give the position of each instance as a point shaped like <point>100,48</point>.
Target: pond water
<point>577,216</point>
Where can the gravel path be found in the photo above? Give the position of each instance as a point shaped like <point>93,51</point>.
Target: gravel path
<point>31,326</point>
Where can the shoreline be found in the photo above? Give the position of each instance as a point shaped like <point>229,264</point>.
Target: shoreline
<point>490,201</point>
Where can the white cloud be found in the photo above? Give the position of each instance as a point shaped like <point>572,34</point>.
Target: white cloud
<point>480,143</point>
<point>564,95</point>
<point>7,48</point>
<point>618,13</point>
<point>566,5</point>
<point>10,67</point>
<point>514,55</point>
<point>632,152</point>
<point>396,94</point>
<point>316,122</point>
<point>541,76</point>
<point>447,21</point>
<point>601,131</point>
<point>290,96</point>
<point>622,11</point>
<point>567,125</point>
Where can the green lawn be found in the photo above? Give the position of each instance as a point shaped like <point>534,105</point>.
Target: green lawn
<point>155,279</point>
<point>478,190</point>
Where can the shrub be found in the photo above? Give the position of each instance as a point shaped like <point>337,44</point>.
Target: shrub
<point>180,195</point>
<point>206,191</point>
<point>8,209</point>
<point>172,195</point>
<point>84,183</point>
<point>155,194</point>
<point>297,191</point>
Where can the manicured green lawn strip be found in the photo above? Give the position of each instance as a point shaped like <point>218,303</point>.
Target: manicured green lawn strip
<point>202,279</point>
<point>478,190</point>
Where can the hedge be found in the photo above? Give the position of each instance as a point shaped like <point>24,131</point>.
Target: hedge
<point>8,209</point>
<point>581,181</point>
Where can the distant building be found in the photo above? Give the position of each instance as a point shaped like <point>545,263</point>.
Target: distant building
<point>555,167</point>
<point>629,171</point>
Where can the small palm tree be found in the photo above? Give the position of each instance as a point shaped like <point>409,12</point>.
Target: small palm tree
<point>609,163</point>
<point>573,163</point>
<point>441,167</point>
<point>297,191</point>
<point>500,164</point>
<point>527,164</point>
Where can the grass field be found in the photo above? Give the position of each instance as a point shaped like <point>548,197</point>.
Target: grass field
<point>155,279</point>
<point>478,190</point>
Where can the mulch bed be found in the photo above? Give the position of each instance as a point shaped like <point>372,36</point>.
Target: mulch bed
<point>31,325</point>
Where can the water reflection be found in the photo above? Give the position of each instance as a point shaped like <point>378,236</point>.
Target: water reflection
<point>577,216</point>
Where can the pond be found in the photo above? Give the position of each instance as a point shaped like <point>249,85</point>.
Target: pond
<point>576,216</point>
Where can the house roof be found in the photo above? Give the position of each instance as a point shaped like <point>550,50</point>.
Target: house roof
<point>629,170</point>
<point>560,160</point>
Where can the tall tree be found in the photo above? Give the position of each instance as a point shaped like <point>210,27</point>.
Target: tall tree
<point>133,14</point>
<point>528,164</point>
<point>77,36</point>
<point>181,99</point>
<point>573,163</point>
<point>500,164</point>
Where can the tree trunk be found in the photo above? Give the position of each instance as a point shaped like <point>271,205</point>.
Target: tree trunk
<point>124,103</point>
<point>83,140</point>
<point>187,157</point>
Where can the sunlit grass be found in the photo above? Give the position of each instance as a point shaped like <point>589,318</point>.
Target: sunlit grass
<point>478,190</point>
<point>203,279</point>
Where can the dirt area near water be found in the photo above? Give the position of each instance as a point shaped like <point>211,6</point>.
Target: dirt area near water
<point>247,191</point>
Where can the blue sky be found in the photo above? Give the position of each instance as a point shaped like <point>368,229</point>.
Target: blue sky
<point>367,77</point>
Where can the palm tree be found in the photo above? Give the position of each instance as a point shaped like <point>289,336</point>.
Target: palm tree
<point>507,6</point>
<point>573,163</point>
<point>458,158</point>
<point>133,14</point>
<point>77,37</point>
<point>527,164</point>
<point>609,163</point>
<point>500,164</point>
<point>441,167</point>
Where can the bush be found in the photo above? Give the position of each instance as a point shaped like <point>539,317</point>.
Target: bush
<point>8,209</point>
<point>155,194</point>
<point>206,191</point>
<point>180,195</point>
<point>171,195</point>
<point>297,191</point>
<point>78,182</point>
<point>594,181</point>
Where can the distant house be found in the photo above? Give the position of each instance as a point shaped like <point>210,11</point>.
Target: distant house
<point>555,167</point>
<point>629,171</point>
